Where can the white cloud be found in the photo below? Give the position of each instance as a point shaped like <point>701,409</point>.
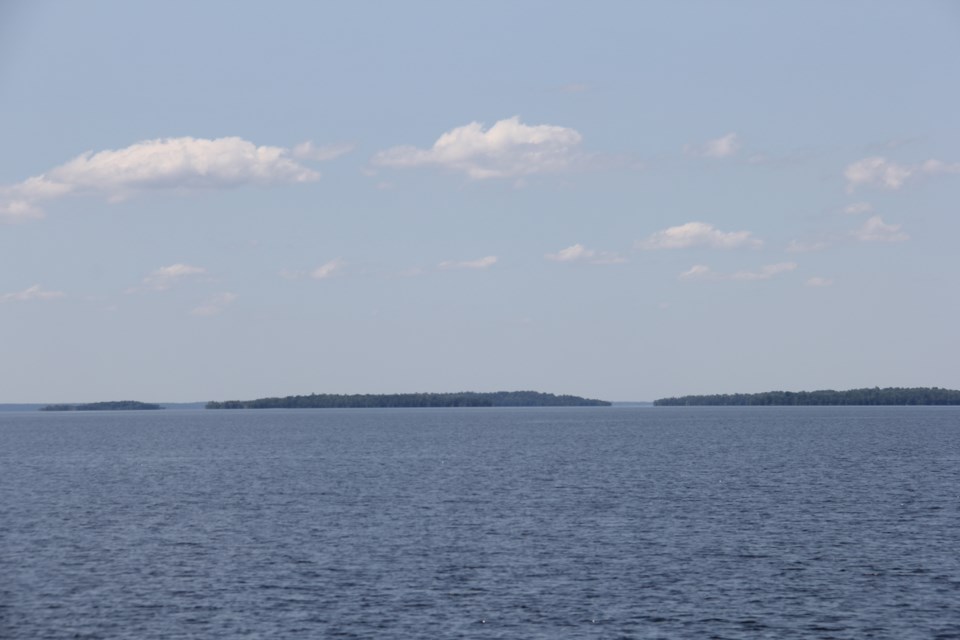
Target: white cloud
<point>698,272</point>
<point>480,263</point>
<point>18,210</point>
<point>178,271</point>
<point>328,269</point>
<point>876,170</point>
<point>215,304</point>
<point>579,253</point>
<point>722,147</point>
<point>857,208</point>
<point>165,277</point>
<point>571,254</point>
<point>31,293</point>
<point>508,149</point>
<point>876,230</point>
<point>163,164</point>
<point>699,234</point>
<point>766,272</point>
<point>18,202</point>
<point>879,172</point>
<point>817,281</point>
<point>936,166</point>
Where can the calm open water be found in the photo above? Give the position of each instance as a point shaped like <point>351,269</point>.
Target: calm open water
<point>812,522</point>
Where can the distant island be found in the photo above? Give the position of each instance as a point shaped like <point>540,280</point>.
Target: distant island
<point>398,400</point>
<point>859,397</point>
<point>117,405</point>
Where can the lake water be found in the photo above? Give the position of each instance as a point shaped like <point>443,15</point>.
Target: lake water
<point>796,522</point>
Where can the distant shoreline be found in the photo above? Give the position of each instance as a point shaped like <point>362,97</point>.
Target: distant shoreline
<point>413,400</point>
<point>116,405</point>
<point>890,396</point>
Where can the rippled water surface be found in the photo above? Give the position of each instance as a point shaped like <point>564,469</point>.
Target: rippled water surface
<point>814,522</point>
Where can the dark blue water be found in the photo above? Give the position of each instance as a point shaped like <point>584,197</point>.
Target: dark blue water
<point>482,523</point>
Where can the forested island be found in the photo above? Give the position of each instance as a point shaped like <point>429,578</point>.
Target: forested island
<point>860,397</point>
<point>399,400</point>
<point>117,405</point>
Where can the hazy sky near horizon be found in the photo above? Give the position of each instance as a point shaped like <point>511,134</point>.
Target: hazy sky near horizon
<point>624,200</point>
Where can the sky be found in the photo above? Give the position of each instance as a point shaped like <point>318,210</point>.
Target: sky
<point>621,200</point>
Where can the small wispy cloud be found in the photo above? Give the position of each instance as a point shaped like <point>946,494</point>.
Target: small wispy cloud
<point>325,271</point>
<point>857,208</point>
<point>480,263</point>
<point>411,272</point>
<point>876,230</point>
<point>807,246</point>
<point>877,171</point>
<point>699,234</point>
<point>328,269</point>
<point>766,272</point>
<point>215,305</point>
<point>935,167</point>
<point>165,277</point>
<point>579,253</point>
<point>31,293</point>
<point>171,164</point>
<point>698,272</point>
<point>309,151</point>
<point>722,147</point>
<point>818,281</point>
<point>508,149</point>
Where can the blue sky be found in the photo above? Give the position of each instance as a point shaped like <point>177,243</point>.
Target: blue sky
<point>623,200</point>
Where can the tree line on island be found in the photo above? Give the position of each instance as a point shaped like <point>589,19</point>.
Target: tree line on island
<point>116,405</point>
<point>414,400</point>
<point>860,397</point>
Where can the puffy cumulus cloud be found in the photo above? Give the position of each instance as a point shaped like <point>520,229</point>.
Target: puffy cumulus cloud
<point>722,147</point>
<point>165,277</point>
<point>877,171</point>
<point>508,149</point>
<point>480,263</point>
<point>328,269</point>
<point>818,281</point>
<point>766,272</point>
<point>19,202</point>
<point>579,253</point>
<point>876,230</point>
<point>699,234</point>
<point>215,305</point>
<point>163,164</point>
<point>31,293</point>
